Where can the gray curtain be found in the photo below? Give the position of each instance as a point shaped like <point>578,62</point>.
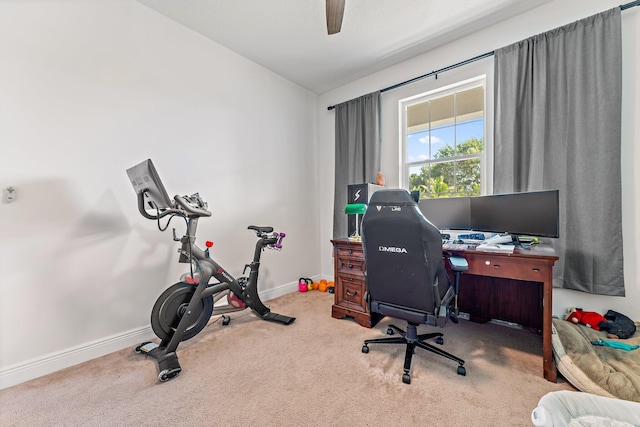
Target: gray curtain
<point>557,126</point>
<point>357,151</point>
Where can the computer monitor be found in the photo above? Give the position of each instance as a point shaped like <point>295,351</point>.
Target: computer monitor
<point>145,179</point>
<point>447,213</point>
<point>534,213</point>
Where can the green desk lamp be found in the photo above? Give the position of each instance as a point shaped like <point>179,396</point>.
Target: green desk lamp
<point>356,209</point>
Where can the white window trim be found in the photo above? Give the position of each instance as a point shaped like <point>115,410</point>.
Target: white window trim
<point>486,159</point>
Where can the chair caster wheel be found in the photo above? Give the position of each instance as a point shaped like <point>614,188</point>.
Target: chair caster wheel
<point>365,349</point>
<point>406,378</point>
<point>462,371</point>
<point>389,331</point>
<point>225,320</point>
<point>439,340</point>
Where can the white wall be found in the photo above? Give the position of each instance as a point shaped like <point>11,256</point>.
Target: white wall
<point>89,88</point>
<point>543,18</point>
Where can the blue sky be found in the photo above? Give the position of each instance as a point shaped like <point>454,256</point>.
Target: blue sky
<point>418,143</point>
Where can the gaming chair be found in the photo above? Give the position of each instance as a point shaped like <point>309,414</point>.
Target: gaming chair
<point>405,273</point>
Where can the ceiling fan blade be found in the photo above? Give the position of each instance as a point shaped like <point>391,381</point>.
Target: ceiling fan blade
<point>335,11</point>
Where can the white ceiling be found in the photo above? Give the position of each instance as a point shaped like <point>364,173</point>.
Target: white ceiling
<point>289,37</point>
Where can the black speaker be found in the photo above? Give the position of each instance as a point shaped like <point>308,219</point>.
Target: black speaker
<point>358,193</point>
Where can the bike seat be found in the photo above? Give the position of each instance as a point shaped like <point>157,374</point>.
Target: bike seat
<point>260,229</point>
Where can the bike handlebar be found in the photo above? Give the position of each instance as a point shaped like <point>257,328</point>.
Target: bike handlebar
<point>278,243</point>
<point>159,213</point>
<point>186,204</point>
<point>194,207</point>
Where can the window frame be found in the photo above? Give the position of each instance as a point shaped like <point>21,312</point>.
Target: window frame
<point>486,165</point>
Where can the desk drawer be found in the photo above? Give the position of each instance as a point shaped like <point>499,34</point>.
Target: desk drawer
<point>507,267</point>
<point>349,251</point>
<point>351,293</point>
<point>349,265</point>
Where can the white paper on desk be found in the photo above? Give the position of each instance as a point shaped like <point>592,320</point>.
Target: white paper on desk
<point>489,247</point>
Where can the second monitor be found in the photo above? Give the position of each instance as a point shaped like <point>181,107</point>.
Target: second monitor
<point>447,213</point>
<point>533,213</point>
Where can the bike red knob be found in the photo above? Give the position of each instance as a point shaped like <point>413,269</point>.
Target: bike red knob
<point>208,244</point>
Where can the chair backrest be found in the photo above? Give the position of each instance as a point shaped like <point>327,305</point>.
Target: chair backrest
<point>403,256</point>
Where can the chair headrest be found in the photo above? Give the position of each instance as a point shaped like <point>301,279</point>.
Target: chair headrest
<point>392,196</point>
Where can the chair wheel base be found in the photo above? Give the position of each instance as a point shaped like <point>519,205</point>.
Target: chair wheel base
<point>412,340</point>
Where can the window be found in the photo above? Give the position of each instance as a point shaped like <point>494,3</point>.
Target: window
<point>443,140</point>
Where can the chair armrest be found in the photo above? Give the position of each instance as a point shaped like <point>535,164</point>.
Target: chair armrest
<point>458,263</point>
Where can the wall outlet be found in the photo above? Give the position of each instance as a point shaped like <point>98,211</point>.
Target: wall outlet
<point>9,194</point>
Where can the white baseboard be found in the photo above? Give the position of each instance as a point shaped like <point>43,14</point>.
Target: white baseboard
<point>34,368</point>
<point>279,291</point>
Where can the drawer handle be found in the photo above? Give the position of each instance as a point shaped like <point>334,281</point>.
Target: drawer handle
<point>496,266</point>
<point>537,270</point>
<point>351,294</point>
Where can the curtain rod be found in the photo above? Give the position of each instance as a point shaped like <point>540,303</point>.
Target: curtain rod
<point>468,61</point>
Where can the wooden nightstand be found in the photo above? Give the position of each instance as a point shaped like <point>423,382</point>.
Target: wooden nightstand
<point>348,273</point>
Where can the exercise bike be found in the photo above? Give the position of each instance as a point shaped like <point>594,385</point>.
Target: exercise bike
<point>184,309</point>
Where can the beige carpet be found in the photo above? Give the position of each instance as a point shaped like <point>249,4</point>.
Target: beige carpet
<point>310,373</point>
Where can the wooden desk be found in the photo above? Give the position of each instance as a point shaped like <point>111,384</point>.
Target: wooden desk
<point>530,268</point>
<point>533,265</point>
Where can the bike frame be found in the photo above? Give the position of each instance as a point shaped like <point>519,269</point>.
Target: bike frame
<point>209,268</point>
<point>244,288</point>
